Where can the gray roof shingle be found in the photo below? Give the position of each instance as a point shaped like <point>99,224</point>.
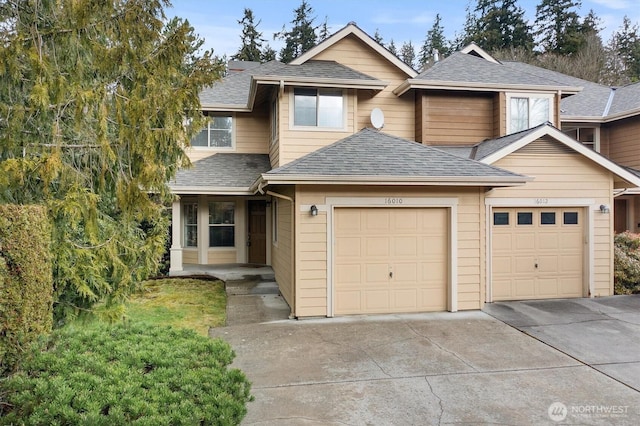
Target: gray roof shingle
<point>222,170</point>
<point>627,98</point>
<point>233,90</point>
<point>372,153</point>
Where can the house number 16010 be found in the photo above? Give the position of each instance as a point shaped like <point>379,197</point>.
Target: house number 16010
<point>393,200</point>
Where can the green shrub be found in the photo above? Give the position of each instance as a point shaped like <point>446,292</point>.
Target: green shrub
<point>26,283</point>
<point>627,263</point>
<point>126,374</point>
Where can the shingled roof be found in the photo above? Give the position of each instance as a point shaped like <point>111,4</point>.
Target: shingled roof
<point>234,90</point>
<point>221,173</point>
<point>385,158</point>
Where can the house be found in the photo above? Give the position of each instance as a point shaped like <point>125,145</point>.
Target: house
<point>372,188</point>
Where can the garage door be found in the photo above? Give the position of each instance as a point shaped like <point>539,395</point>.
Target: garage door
<point>538,253</point>
<point>390,260</point>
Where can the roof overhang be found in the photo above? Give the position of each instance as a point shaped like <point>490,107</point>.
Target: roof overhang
<point>551,131</point>
<point>414,83</point>
<point>210,190</point>
<point>319,82</point>
<point>492,181</point>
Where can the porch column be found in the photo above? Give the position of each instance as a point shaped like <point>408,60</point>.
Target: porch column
<point>176,237</point>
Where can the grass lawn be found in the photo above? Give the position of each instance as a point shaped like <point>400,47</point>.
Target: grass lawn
<point>180,302</point>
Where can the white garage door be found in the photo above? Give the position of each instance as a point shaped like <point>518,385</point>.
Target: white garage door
<point>538,253</point>
<point>391,260</point>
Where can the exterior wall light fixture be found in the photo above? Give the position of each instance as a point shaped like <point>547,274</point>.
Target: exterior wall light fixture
<point>604,208</point>
<point>313,210</point>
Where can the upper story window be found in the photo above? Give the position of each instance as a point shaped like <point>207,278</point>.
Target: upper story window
<point>588,136</point>
<point>526,111</point>
<point>274,120</point>
<point>217,134</point>
<point>318,108</point>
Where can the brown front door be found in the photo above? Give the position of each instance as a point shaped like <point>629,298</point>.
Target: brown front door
<point>257,232</point>
<point>620,215</point>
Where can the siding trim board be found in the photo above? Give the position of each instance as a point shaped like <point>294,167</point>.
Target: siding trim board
<point>389,202</point>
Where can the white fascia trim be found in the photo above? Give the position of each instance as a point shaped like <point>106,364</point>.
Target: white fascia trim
<point>473,47</point>
<point>394,180</point>
<point>435,202</point>
<point>582,119</point>
<point>571,143</point>
<point>224,108</point>
<point>210,190</point>
<point>321,82</point>
<point>622,115</point>
<point>365,38</point>
<point>482,87</point>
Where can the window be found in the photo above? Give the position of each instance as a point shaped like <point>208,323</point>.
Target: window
<point>525,218</point>
<point>191,225</point>
<point>527,112</point>
<point>318,108</point>
<point>217,134</point>
<point>274,218</point>
<point>501,218</point>
<point>588,136</point>
<point>547,218</point>
<point>222,224</point>
<point>570,218</point>
<point>274,120</point>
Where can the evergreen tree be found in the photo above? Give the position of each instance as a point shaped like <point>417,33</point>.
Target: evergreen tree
<point>268,54</point>
<point>324,30</point>
<point>434,41</point>
<point>392,48</point>
<point>302,35</point>
<point>558,26</point>
<point>625,48</point>
<point>251,49</point>
<point>94,98</point>
<point>408,53</point>
<point>498,25</point>
<point>378,38</point>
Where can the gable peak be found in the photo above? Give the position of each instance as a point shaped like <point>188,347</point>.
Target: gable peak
<point>475,50</point>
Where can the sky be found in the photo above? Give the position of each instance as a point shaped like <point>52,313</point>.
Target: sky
<point>216,21</point>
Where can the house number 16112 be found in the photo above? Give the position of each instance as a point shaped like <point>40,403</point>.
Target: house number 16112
<point>393,200</point>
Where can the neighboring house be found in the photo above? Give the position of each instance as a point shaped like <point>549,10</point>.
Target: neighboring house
<point>466,191</point>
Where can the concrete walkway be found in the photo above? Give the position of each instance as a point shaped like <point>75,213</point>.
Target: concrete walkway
<point>426,369</point>
<point>603,333</point>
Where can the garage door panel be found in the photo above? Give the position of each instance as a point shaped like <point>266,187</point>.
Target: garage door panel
<point>400,265</point>
<point>534,260</point>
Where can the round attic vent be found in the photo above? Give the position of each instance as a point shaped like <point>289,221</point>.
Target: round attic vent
<point>377,118</point>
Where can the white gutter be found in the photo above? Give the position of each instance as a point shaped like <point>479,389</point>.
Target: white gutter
<point>316,82</point>
<point>395,180</point>
<point>484,87</point>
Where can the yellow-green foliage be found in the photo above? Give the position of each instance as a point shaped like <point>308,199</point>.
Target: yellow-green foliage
<point>627,263</point>
<point>26,286</point>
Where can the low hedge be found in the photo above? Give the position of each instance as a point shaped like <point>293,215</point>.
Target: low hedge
<point>26,282</point>
<point>627,263</point>
<point>126,374</point>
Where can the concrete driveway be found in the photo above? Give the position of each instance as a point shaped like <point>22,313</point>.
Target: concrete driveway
<point>603,333</point>
<point>440,368</point>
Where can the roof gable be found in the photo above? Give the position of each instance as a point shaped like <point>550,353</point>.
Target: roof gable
<point>352,29</point>
<point>489,152</point>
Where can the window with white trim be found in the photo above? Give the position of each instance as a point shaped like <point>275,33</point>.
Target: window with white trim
<point>588,136</point>
<point>190,225</point>
<point>222,229</point>
<point>218,133</point>
<point>318,108</point>
<point>525,112</point>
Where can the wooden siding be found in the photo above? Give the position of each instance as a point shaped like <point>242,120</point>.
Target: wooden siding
<point>500,115</point>
<point>586,180</point>
<point>311,233</point>
<point>456,119</point>
<point>282,250</point>
<point>190,256</point>
<point>251,136</point>
<point>398,111</point>
<point>623,142</point>
<point>220,256</point>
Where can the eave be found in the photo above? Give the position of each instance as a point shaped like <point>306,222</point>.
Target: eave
<point>466,181</point>
<point>413,83</point>
<point>210,190</point>
<point>320,82</point>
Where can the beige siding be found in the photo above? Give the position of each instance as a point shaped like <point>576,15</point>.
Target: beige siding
<point>282,249</point>
<point>251,136</point>
<point>311,232</point>
<point>190,256</point>
<point>586,180</point>
<point>624,138</point>
<point>220,257</point>
<point>398,111</point>
<point>460,119</point>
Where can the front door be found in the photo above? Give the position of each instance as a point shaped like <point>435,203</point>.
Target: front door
<point>257,232</point>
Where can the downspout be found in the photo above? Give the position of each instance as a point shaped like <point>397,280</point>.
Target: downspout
<point>293,250</point>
